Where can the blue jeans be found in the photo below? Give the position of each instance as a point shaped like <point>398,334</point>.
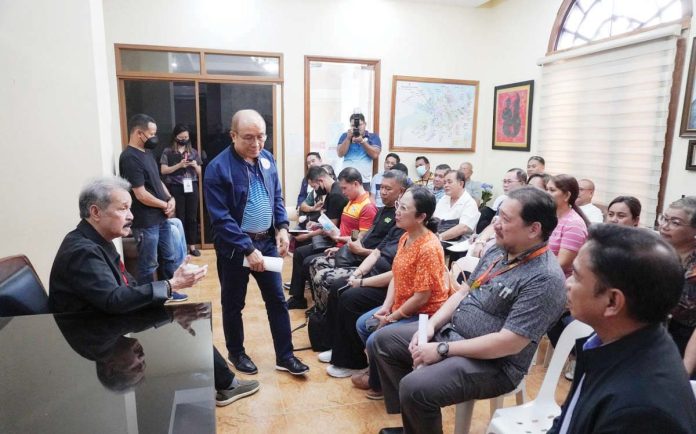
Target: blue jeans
<point>153,241</point>
<point>178,239</point>
<point>233,283</point>
<point>367,337</point>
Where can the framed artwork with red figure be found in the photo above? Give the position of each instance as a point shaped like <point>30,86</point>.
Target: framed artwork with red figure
<point>512,116</point>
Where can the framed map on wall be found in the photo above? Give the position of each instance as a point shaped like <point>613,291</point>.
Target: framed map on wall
<point>433,114</point>
<point>512,116</point>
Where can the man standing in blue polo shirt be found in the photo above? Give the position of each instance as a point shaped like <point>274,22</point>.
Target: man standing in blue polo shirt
<point>249,221</point>
<point>359,148</point>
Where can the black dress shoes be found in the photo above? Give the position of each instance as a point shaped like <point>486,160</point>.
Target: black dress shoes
<point>293,366</point>
<point>243,363</point>
<point>297,303</point>
<point>398,430</point>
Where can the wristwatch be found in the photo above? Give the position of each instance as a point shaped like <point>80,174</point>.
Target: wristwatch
<point>443,349</point>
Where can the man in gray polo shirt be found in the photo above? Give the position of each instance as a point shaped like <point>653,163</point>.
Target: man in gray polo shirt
<point>482,340</point>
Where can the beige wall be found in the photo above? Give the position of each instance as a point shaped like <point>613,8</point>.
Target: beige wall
<point>55,117</point>
<point>495,44</point>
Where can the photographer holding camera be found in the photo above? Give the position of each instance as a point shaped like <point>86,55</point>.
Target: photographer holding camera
<point>359,148</point>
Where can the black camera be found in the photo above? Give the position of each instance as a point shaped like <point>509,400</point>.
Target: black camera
<point>355,119</point>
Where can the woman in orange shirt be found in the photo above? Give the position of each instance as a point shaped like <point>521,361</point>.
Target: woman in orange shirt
<point>418,285</point>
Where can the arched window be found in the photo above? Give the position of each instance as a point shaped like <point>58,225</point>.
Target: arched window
<point>582,21</point>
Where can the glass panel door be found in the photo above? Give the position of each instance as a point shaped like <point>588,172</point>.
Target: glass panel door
<point>167,102</point>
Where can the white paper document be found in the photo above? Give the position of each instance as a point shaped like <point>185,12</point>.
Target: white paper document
<point>271,263</point>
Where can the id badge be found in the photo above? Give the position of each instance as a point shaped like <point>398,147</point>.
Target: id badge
<point>188,185</point>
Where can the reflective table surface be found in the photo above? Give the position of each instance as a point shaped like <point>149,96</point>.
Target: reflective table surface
<point>147,372</point>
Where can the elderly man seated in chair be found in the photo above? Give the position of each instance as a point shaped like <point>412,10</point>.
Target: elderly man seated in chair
<point>482,340</point>
<point>88,274</point>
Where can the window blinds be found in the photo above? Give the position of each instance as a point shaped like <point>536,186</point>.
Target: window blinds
<point>603,115</point>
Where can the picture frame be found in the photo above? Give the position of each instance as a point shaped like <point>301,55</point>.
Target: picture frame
<point>512,116</point>
<point>688,121</point>
<point>691,156</point>
<point>433,114</point>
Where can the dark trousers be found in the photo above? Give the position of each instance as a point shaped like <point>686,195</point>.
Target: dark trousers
<point>680,334</point>
<point>186,209</point>
<point>348,350</point>
<point>419,394</point>
<point>233,282</point>
<point>223,375</point>
<point>301,258</point>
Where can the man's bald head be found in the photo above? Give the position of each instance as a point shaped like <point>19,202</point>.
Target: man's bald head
<point>248,134</point>
<point>467,168</point>
<point>586,191</point>
<point>247,116</point>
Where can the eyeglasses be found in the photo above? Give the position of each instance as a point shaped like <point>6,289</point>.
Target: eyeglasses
<point>664,220</point>
<point>251,138</point>
<point>400,207</point>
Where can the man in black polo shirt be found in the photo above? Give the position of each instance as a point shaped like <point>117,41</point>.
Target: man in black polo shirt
<point>152,203</point>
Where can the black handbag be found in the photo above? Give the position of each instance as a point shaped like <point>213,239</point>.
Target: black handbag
<point>321,243</point>
<point>445,225</point>
<point>345,258</point>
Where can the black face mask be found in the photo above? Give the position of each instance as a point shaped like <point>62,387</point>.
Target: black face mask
<point>183,142</point>
<point>151,143</point>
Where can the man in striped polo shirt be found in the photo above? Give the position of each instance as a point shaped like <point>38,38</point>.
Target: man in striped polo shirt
<point>248,217</point>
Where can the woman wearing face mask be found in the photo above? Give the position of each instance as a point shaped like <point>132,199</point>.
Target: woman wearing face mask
<point>624,210</point>
<point>181,165</point>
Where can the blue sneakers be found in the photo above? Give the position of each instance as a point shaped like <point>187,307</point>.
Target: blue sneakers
<point>177,297</point>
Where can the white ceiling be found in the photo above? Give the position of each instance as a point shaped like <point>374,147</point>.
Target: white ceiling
<point>466,3</point>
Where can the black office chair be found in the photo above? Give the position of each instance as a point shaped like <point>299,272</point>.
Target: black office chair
<point>21,291</point>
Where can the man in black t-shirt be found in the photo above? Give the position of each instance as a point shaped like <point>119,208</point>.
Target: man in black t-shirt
<point>333,206</point>
<point>152,203</point>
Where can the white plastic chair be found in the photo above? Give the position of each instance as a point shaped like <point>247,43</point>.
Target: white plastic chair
<point>467,263</point>
<point>537,416</point>
<point>464,410</point>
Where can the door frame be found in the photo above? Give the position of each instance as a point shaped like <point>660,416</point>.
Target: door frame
<point>203,77</point>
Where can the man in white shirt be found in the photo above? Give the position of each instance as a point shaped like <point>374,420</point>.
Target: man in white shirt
<point>457,204</point>
<point>584,201</point>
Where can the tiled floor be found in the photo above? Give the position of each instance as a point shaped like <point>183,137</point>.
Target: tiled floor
<point>317,403</point>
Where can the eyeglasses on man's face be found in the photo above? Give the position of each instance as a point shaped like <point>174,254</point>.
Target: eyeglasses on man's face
<point>249,138</point>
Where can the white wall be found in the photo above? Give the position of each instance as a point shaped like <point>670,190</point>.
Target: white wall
<point>496,44</point>
<point>60,109</point>
<point>55,120</point>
